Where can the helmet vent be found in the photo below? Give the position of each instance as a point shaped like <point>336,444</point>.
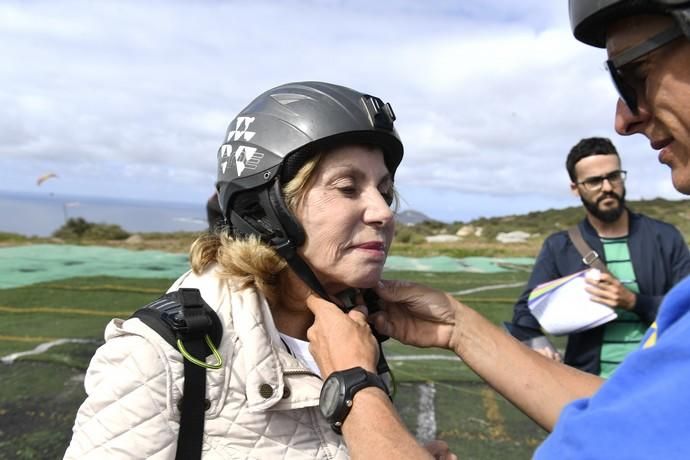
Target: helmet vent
<point>289,98</point>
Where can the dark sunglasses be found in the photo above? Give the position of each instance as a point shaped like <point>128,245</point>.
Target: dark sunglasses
<point>627,83</point>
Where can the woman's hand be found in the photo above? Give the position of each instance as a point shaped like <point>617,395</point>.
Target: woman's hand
<point>440,450</point>
<point>338,340</point>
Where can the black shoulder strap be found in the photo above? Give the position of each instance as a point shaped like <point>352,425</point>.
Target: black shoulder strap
<point>187,323</point>
<point>589,255</point>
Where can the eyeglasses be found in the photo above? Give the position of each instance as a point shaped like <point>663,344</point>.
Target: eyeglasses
<point>628,83</point>
<point>596,182</point>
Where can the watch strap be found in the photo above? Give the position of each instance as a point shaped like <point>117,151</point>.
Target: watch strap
<point>354,379</point>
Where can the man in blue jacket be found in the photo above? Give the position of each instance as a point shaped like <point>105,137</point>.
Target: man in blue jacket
<point>645,258</point>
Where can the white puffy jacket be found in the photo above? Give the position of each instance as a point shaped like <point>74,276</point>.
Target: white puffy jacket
<point>263,402</point>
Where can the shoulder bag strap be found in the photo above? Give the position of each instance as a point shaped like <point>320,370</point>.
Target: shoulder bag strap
<point>589,255</point>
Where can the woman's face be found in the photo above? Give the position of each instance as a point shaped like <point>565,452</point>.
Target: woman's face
<point>347,218</point>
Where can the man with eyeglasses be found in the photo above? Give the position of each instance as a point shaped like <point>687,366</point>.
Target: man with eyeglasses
<point>644,257</point>
<point>643,410</point>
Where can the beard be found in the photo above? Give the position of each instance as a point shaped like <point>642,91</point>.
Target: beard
<point>606,215</point>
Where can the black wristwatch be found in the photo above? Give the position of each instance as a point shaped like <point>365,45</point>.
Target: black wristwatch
<point>338,391</point>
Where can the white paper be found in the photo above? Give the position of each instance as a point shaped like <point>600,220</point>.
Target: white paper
<point>568,308</point>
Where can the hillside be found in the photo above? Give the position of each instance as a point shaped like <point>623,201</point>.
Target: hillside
<point>674,212</point>
<point>410,217</point>
<point>478,237</point>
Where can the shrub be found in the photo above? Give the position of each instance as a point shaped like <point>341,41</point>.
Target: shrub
<point>106,232</point>
<point>408,235</point>
<point>78,228</point>
<point>12,237</point>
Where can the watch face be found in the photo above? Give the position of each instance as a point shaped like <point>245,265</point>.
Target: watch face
<point>331,397</point>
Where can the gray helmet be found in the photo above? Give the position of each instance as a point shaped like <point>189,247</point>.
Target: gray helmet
<point>268,142</point>
<point>590,19</point>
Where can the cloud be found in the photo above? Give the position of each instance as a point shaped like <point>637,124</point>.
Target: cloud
<point>133,98</point>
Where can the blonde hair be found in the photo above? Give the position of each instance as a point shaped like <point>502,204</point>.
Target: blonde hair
<point>248,261</point>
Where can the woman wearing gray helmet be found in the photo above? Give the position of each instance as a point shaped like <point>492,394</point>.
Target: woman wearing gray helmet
<point>305,183</point>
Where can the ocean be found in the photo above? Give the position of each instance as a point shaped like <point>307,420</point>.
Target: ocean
<point>40,215</point>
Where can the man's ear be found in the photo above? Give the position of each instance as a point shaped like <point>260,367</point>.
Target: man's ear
<point>574,189</point>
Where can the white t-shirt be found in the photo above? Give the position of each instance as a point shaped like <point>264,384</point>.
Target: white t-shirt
<point>300,350</point>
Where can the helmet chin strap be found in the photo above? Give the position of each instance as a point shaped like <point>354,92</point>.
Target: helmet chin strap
<point>267,217</point>
<point>288,252</point>
<point>347,298</point>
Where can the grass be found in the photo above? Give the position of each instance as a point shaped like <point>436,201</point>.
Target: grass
<point>78,308</point>
<point>40,393</point>
<point>13,238</point>
<point>470,247</point>
<point>37,407</point>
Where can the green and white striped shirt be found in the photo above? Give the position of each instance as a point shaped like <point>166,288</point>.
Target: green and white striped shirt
<point>622,335</point>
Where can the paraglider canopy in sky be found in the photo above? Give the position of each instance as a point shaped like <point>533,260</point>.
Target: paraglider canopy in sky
<point>41,179</point>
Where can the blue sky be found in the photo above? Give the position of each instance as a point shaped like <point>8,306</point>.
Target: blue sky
<point>132,99</point>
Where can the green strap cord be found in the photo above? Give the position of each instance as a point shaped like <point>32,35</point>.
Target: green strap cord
<point>215,366</point>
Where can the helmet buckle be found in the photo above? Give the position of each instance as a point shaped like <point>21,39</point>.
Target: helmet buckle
<point>381,113</point>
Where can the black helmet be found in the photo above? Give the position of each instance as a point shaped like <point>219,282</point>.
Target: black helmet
<point>267,143</point>
<point>589,19</point>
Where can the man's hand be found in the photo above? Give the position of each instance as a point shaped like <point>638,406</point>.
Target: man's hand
<point>415,314</point>
<point>608,290</point>
<point>340,341</point>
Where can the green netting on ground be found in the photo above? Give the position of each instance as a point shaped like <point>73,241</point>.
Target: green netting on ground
<point>467,264</point>
<point>25,265</point>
